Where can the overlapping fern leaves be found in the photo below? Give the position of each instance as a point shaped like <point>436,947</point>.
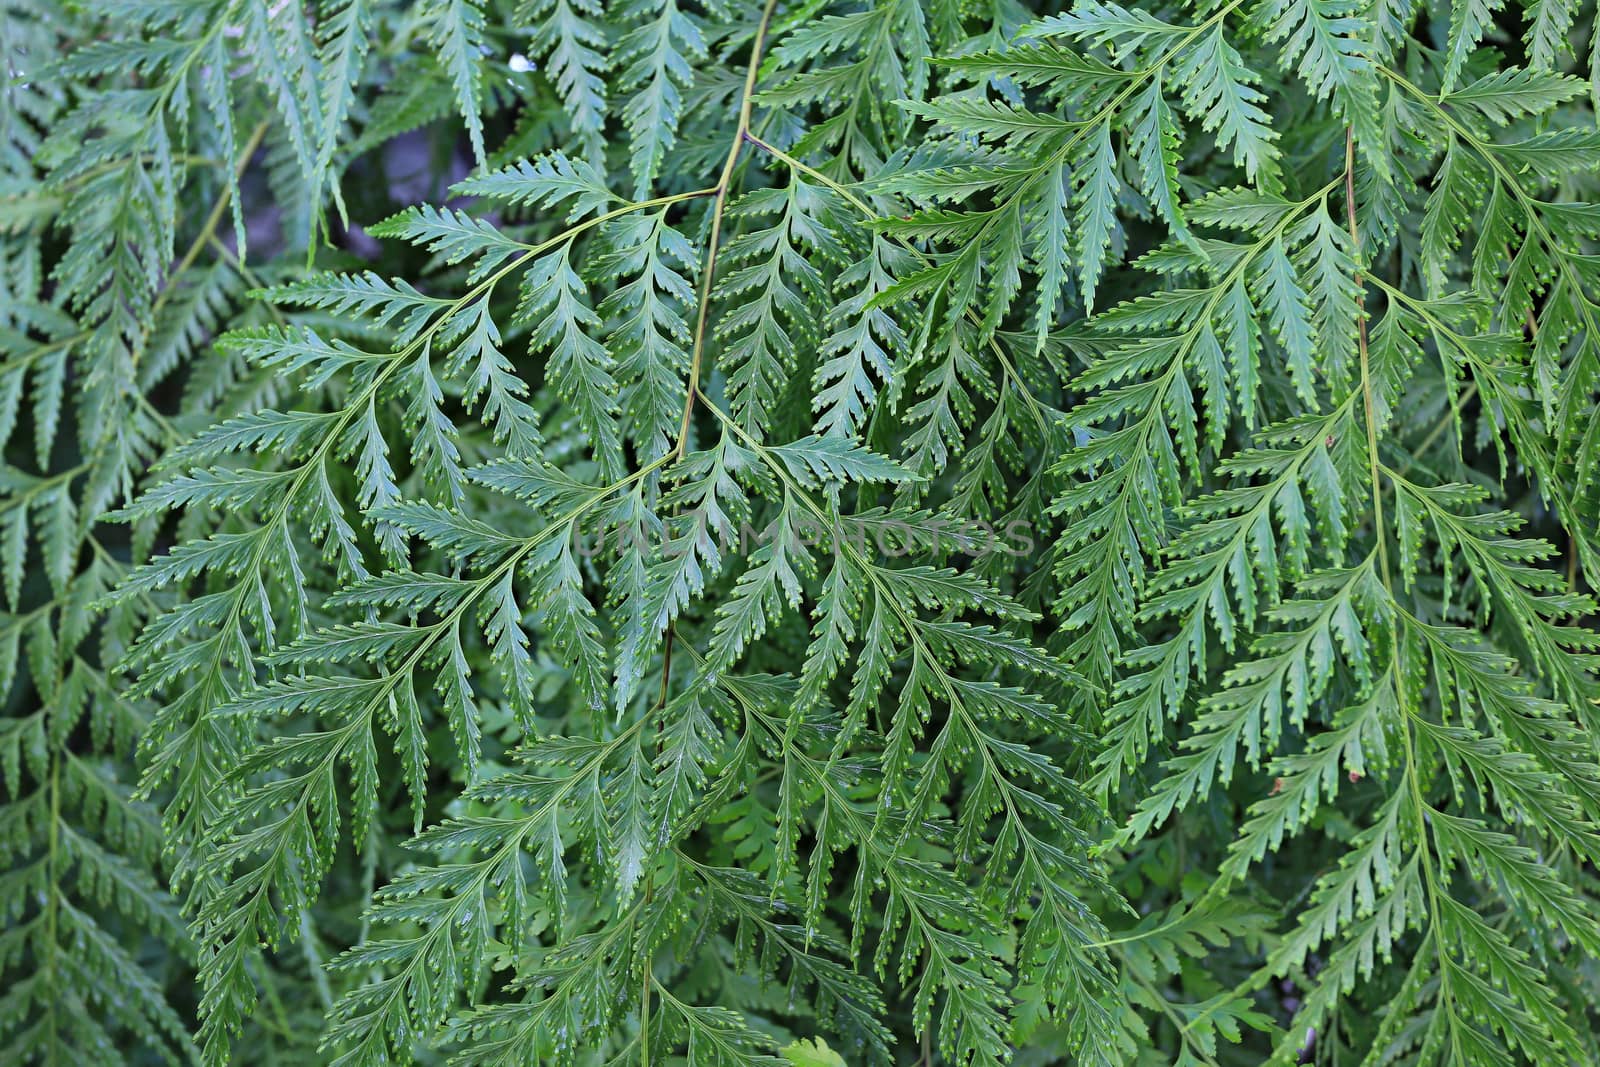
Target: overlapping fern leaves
<point>949,531</point>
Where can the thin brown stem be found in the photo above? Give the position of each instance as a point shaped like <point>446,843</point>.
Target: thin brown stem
<point>709,269</point>
<point>666,666</point>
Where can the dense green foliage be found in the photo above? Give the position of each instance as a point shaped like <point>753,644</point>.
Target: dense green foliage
<point>852,531</point>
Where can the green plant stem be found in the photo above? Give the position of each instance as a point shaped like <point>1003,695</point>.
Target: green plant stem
<point>52,905</point>
<point>1264,972</point>
<point>27,358</point>
<point>1438,430</point>
<point>1380,532</point>
<point>644,985</point>
<point>208,228</point>
<point>708,269</point>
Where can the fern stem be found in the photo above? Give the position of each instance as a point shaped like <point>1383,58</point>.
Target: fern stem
<point>28,357</point>
<point>1380,549</point>
<point>696,362</point>
<point>52,905</point>
<point>66,477</point>
<point>644,985</point>
<point>209,228</point>
<point>1438,429</point>
<point>1366,373</point>
<point>837,187</point>
<point>1184,1028</point>
<point>245,271</point>
<point>1380,533</point>
<point>709,269</point>
<point>181,159</point>
<point>314,962</point>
